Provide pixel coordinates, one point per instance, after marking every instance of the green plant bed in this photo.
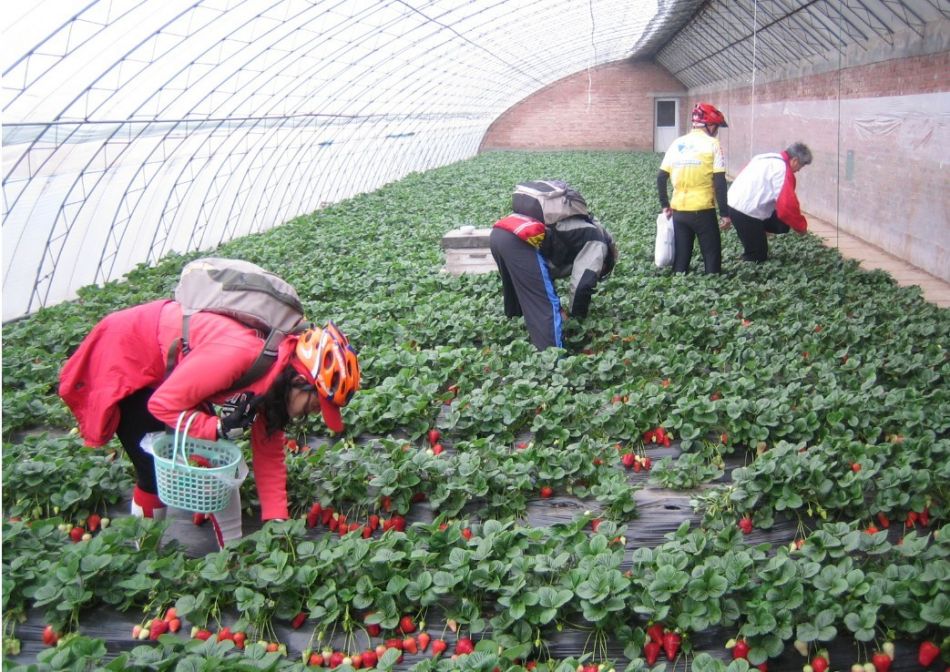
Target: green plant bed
(805, 398)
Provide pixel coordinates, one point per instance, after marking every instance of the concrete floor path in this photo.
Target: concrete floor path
(934, 289)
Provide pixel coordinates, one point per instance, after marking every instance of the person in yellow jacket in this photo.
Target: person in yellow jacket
(696, 166)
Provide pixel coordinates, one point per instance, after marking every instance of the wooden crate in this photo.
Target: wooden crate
(466, 251)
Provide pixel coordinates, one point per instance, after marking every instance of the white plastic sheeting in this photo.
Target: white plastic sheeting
(133, 129)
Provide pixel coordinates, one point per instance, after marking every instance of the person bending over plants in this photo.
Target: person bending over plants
(118, 383)
(762, 200)
(577, 246)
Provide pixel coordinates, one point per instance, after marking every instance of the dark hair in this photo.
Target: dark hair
(274, 403)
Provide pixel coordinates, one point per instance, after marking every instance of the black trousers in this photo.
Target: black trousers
(687, 227)
(751, 232)
(527, 288)
(134, 423)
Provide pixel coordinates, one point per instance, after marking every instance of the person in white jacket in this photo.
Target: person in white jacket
(762, 199)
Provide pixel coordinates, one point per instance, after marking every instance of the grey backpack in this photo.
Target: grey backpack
(244, 292)
(548, 201)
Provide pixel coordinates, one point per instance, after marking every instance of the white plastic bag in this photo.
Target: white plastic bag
(663, 250)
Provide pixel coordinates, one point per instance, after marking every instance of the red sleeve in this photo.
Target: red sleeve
(270, 470)
(786, 206)
(202, 375)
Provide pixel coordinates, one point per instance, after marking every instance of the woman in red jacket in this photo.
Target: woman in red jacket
(117, 384)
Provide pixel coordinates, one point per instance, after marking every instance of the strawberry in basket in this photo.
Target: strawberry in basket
(199, 461)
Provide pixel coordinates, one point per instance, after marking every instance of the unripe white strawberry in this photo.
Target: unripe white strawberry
(731, 644)
(801, 647)
(888, 648)
(868, 667)
(104, 523)
(857, 667)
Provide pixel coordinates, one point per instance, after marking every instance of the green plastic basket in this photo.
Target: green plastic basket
(198, 489)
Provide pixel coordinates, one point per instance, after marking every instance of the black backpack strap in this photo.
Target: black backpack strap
(264, 361)
(179, 345)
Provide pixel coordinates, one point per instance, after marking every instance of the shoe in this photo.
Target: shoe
(147, 505)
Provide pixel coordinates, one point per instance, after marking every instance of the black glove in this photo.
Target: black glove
(237, 414)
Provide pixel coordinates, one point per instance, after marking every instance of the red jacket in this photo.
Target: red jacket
(127, 352)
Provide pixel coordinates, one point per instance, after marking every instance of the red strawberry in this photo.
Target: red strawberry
(871, 529)
(855, 467)
(373, 629)
(386, 502)
(883, 520)
(911, 519)
(174, 625)
(434, 435)
(316, 660)
(370, 658)
(655, 632)
(199, 461)
(239, 638)
(92, 522)
(367, 532)
(881, 661)
(50, 636)
(409, 645)
(595, 523)
(356, 660)
(927, 653)
(628, 460)
(437, 449)
(464, 645)
(438, 647)
(399, 523)
(819, 664)
(467, 533)
(199, 518)
(671, 643)
(224, 633)
(924, 517)
(763, 667)
(394, 643)
(326, 515)
(373, 522)
(407, 625)
(271, 647)
(745, 524)
(423, 640)
(298, 620)
(157, 628)
(740, 650)
(202, 634)
(647, 463)
(76, 534)
(546, 491)
(637, 466)
(336, 659)
(651, 651)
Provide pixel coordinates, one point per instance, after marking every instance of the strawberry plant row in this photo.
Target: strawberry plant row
(826, 382)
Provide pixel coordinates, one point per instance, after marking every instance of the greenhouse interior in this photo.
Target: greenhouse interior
(277, 394)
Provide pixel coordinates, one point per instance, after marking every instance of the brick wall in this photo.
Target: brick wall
(609, 107)
(880, 134)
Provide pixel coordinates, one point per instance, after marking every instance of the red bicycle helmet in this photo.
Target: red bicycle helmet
(705, 114)
(330, 364)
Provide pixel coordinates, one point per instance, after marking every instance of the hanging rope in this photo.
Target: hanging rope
(755, 27)
(593, 56)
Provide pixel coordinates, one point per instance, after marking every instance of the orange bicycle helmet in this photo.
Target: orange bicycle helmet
(705, 114)
(332, 367)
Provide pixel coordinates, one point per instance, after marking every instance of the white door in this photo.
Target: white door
(667, 123)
